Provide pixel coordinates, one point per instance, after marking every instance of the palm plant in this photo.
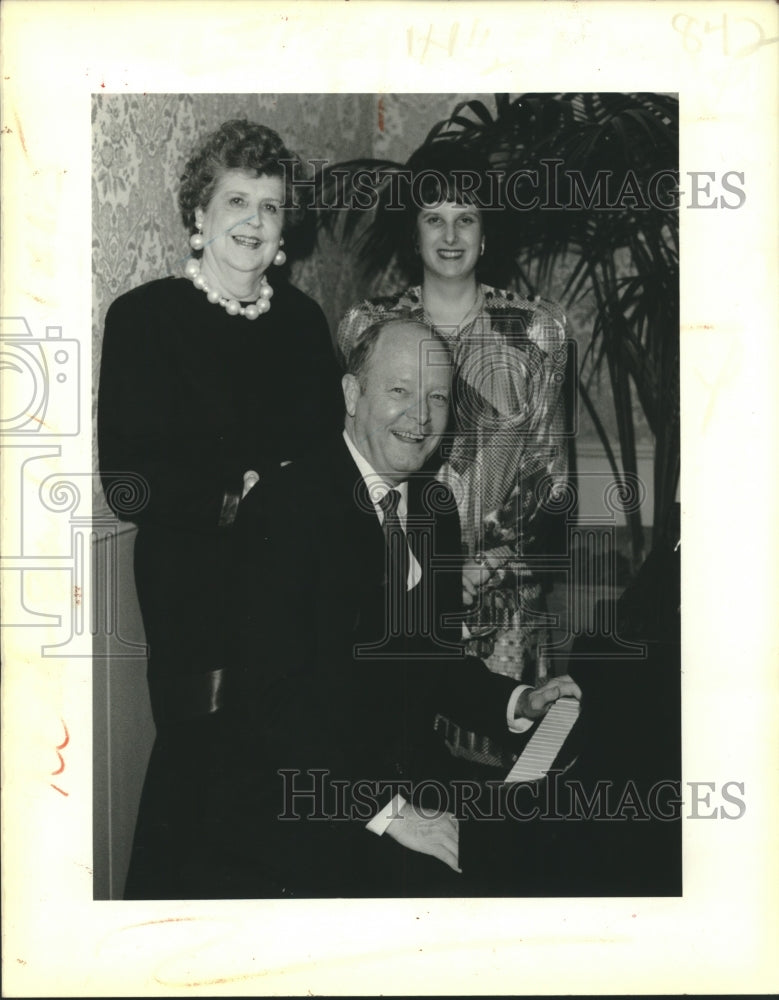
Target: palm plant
(611, 160)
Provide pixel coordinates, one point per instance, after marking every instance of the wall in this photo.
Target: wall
(123, 729)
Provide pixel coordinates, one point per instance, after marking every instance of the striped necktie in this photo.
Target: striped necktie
(397, 560)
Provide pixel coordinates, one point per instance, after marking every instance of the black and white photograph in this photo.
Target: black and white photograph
(509, 261)
(378, 381)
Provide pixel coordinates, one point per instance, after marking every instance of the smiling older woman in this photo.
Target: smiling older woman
(208, 382)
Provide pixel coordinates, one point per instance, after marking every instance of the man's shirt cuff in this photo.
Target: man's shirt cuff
(382, 819)
(517, 725)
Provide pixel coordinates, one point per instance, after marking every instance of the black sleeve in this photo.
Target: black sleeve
(281, 690)
(471, 695)
(149, 473)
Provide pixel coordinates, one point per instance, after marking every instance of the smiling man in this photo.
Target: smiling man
(352, 643)
(397, 398)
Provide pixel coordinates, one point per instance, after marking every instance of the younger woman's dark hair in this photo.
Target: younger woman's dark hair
(238, 144)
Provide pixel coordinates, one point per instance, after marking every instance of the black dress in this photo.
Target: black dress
(190, 399)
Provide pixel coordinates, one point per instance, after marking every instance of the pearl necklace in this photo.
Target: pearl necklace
(231, 306)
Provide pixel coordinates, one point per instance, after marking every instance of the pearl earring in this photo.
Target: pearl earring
(281, 257)
(196, 240)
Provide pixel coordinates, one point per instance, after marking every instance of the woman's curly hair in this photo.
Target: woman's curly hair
(238, 145)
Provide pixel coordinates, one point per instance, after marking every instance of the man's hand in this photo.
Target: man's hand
(536, 703)
(475, 575)
(428, 832)
(478, 572)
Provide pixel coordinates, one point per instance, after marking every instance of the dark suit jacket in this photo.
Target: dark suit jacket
(322, 686)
